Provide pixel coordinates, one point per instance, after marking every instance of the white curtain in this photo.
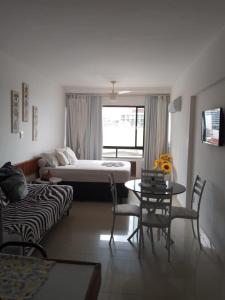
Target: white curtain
(156, 121)
(84, 125)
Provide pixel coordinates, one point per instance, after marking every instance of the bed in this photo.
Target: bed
(89, 178)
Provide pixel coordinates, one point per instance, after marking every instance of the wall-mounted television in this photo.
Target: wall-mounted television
(212, 132)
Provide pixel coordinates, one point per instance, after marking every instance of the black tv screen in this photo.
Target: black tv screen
(211, 126)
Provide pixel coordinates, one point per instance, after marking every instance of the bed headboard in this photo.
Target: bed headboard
(29, 167)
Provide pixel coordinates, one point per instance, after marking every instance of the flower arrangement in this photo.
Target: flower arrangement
(164, 163)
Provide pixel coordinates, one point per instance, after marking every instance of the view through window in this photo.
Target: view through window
(123, 131)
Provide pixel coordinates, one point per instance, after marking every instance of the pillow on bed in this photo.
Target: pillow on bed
(71, 156)
(51, 159)
(13, 182)
(63, 161)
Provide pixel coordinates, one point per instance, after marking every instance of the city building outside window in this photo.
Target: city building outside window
(123, 131)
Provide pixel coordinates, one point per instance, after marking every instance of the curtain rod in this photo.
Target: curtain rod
(108, 95)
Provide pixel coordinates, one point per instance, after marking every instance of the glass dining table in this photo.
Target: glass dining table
(135, 185)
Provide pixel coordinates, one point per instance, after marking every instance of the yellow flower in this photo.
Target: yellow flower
(166, 156)
(164, 163)
(166, 167)
(156, 164)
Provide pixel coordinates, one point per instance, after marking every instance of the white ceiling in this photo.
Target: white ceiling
(87, 43)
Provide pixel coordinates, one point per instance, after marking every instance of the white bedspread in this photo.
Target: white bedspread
(91, 171)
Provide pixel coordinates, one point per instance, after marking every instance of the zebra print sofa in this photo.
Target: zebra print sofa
(32, 217)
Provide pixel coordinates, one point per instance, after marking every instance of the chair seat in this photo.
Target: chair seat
(183, 212)
(155, 220)
(127, 209)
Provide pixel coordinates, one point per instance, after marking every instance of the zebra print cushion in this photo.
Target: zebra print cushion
(41, 209)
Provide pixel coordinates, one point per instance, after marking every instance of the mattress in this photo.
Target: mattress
(91, 171)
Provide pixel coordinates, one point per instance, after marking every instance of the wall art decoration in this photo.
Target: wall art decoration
(34, 123)
(15, 112)
(25, 102)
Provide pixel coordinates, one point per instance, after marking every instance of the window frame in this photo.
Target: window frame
(128, 147)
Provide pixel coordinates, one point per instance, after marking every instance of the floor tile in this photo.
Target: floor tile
(192, 273)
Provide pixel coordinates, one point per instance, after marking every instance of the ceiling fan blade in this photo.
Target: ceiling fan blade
(123, 92)
(114, 94)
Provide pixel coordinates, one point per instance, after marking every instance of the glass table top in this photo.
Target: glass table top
(135, 185)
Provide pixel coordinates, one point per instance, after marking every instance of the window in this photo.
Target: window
(123, 131)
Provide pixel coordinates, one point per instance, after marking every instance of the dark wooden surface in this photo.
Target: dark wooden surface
(29, 167)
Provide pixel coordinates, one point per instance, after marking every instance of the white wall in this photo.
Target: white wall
(45, 94)
(202, 86)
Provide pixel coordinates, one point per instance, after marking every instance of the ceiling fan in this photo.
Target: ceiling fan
(114, 94)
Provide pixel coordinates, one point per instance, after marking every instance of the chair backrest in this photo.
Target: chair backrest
(151, 176)
(113, 189)
(157, 198)
(197, 192)
(146, 173)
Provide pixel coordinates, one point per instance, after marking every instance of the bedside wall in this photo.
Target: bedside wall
(46, 95)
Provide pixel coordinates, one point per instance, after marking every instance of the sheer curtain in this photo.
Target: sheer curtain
(156, 120)
(84, 125)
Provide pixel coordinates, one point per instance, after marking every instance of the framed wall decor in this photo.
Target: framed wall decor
(25, 102)
(15, 112)
(34, 123)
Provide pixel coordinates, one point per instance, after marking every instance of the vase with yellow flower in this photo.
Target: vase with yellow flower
(165, 164)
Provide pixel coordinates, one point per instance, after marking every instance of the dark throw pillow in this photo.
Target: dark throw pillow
(5, 171)
(13, 182)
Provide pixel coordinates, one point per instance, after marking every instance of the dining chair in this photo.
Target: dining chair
(193, 212)
(161, 199)
(149, 176)
(120, 209)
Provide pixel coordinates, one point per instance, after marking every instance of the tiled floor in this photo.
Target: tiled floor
(192, 274)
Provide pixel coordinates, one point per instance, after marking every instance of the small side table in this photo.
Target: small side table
(51, 180)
